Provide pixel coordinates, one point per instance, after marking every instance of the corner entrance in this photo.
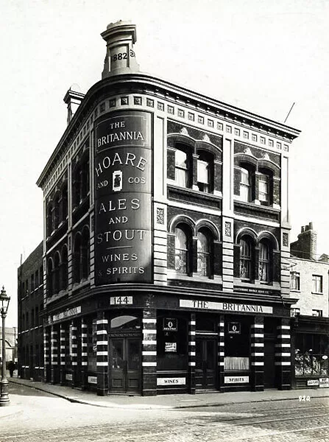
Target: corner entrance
(124, 365)
(205, 368)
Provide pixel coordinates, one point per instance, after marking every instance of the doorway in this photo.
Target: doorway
(206, 358)
(124, 365)
(269, 364)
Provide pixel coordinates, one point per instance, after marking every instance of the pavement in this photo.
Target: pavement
(173, 401)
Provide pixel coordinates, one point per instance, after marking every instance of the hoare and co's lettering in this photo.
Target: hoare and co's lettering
(120, 159)
(123, 159)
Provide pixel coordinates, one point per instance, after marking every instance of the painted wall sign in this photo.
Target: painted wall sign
(69, 377)
(171, 381)
(123, 160)
(66, 314)
(236, 379)
(254, 290)
(225, 306)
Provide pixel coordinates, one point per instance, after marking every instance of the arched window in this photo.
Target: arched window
(181, 250)
(245, 258)
(64, 269)
(205, 172)
(85, 176)
(76, 258)
(181, 168)
(76, 182)
(56, 218)
(49, 219)
(263, 188)
(50, 277)
(64, 208)
(264, 261)
(203, 251)
(57, 273)
(125, 322)
(245, 185)
(85, 254)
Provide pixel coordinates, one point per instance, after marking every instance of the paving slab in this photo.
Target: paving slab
(170, 401)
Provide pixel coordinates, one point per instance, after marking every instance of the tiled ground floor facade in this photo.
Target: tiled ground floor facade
(141, 343)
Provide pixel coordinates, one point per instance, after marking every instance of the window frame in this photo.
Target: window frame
(205, 158)
(180, 170)
(315, 285)
(207, 255)
(264, 178)
(295, 278)
(245, 185)
(264, 262)
(246, 243)
(186, 251)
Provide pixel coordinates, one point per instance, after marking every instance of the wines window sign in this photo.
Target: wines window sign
(123, 161)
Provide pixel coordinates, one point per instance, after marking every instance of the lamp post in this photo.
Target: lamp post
(4, 304)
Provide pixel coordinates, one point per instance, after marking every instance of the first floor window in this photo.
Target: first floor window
(245, 259)
(181, 250)
(264, 262)
(203, 260)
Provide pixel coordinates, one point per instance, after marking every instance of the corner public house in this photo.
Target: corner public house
(166, 233)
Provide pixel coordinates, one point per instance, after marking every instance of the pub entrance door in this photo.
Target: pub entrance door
(205, 368)
(124, 365)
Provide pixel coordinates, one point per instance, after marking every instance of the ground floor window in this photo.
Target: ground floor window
(171, 342)
(311, 355)
(237, 344)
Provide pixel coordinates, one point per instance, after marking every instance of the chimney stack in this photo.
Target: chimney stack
(120, 57)
(306, 244)
(73, 100)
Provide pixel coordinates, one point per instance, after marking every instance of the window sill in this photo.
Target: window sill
(317, 293)
(217, 279)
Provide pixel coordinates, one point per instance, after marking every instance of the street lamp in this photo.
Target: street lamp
(4, 304)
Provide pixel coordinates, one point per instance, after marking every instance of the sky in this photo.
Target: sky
(259, 55)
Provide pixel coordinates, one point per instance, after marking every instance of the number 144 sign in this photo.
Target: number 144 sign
(121, 300)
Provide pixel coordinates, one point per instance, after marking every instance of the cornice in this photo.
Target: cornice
(147, 84)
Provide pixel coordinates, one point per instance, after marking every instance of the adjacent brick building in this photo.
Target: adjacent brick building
(166, 225)
(30, 310)
(310, 312)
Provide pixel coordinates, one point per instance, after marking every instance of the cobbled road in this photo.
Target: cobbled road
(36, 416)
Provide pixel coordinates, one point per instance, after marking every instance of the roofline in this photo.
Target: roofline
(210, 105)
